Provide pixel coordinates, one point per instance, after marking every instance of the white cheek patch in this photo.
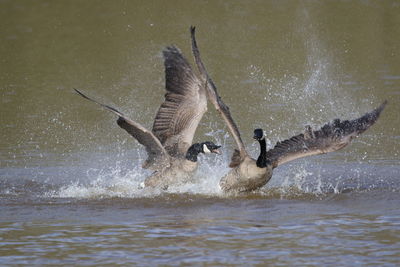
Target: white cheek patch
(263, 137)
(205, 149)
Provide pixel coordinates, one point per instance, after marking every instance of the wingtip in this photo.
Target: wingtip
(362, 123)
(383, 105)
(80, 93)
(76, 90)
(171, 51)
(193, 36)
(192, 29)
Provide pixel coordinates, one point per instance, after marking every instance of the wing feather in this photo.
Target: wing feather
(331, 137)
(220, 106)
(185, 103)
(155, 150)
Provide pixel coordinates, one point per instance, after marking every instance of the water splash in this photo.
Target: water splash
(114, 183)
(104, 184)
(102, 176)
(122, 180)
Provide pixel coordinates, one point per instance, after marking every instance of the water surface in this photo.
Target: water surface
(69, 175)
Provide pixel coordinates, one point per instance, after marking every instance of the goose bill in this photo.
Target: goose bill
(216, 150)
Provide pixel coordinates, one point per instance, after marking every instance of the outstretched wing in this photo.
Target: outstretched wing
(331, 137)
(185, 103)
(155, 150)
(219, 104)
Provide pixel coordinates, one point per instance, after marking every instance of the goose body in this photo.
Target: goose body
(246, 177)
(248, 174)
(179, 172)
(171, 154)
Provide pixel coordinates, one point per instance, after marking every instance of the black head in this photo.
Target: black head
(210, 147)
(258, 134)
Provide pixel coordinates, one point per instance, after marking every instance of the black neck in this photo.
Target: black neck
(193, 151)
(262, 158)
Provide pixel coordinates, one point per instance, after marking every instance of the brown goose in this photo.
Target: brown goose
(169, 145)
(249, 174)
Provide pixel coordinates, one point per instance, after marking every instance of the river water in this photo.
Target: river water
(69, 175)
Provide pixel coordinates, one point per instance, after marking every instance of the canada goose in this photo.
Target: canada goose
(169, 145)
(249, 174)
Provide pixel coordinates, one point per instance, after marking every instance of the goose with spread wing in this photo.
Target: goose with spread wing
(248, 174)
(171, 154)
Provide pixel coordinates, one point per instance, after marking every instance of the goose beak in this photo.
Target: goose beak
(258, 138)
(216, 151)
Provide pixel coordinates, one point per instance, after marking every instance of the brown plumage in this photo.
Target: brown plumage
(185, 103)
(169, 143)
(331, 137)
(247, 174)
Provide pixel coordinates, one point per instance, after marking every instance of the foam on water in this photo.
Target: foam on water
(112, 178)
(113, 183)
(300, 180)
